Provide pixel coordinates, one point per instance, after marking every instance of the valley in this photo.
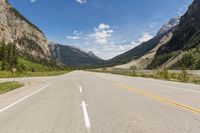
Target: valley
(99, 66)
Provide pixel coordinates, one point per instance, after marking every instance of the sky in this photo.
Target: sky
(105, 27)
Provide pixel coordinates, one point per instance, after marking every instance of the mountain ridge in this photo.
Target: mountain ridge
(144, 48)
(72, 56)
(168, 26)
(185, 41)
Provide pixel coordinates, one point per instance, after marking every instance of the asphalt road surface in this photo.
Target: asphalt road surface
(85, 102)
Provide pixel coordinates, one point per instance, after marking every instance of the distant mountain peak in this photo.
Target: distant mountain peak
(172, 23)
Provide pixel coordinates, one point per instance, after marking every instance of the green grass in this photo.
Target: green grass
(31, 66)
(45, 73)
(8, 86)
(7, 74)
(31, 69)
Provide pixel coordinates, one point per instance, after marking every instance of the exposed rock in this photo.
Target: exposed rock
(14, 28)
(172, 23)
(143, 61)
(186, 37)
(187, 34)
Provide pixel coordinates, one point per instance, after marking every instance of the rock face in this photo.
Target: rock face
(172, 23)
(188, 32)
(72, 56)
(143, 61)
(14, 28)
(181, 52)
(143, 54)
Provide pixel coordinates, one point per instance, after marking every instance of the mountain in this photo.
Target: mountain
(143, 54)
(32, 45)
(144, 60)
(136, 52)
(165, 28)
(16, 29)
(72, 56)
(183, 50)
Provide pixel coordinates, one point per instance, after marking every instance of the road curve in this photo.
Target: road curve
(86, 102)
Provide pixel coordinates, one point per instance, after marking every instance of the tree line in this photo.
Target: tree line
(8, 56)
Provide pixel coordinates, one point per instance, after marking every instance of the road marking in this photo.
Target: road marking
(86, 117)
(173, 87)
(80, 88)
(177, 88)
(24, 98)
(159, 98)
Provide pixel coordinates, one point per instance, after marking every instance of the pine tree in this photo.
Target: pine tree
(14, 56)
(3, 56)
(8, 56)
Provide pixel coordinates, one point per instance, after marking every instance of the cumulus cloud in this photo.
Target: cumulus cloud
(81, 1)
(113, 49)
(145, 37)
(101, 34)
(101, 43)
(76, 35)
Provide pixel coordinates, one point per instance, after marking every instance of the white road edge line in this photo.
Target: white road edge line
(179, 88)
(24, 98)
(86, 117)
(80, 88)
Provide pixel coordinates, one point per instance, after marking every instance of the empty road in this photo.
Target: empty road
(86, 102)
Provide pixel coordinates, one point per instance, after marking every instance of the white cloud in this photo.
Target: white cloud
(81, 1)
(109, 51)
(73, 37)
(103, 26)
(76, 35)
(112, 49)
(101, 34)
(145, 37)
(32, 1)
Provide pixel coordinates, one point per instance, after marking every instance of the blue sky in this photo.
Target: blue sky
(106, 27)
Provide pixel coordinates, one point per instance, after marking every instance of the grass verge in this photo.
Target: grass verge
(168, 75)
(7, 74)
(8, 86)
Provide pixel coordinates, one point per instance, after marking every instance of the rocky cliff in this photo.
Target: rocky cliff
(166, 27)
(187, 34)
(182, 51)
(14, 28)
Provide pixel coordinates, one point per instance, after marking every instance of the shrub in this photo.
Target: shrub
(183, 76)
(133, 70)
(165, 74)
(190, 60)
(159, 60)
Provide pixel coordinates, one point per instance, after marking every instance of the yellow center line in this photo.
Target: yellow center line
(158, 98)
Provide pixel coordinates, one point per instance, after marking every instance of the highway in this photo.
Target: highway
(87, 102)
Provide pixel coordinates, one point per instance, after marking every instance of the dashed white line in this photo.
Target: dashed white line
(24, 98)
(80, 89)
(86, 117)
